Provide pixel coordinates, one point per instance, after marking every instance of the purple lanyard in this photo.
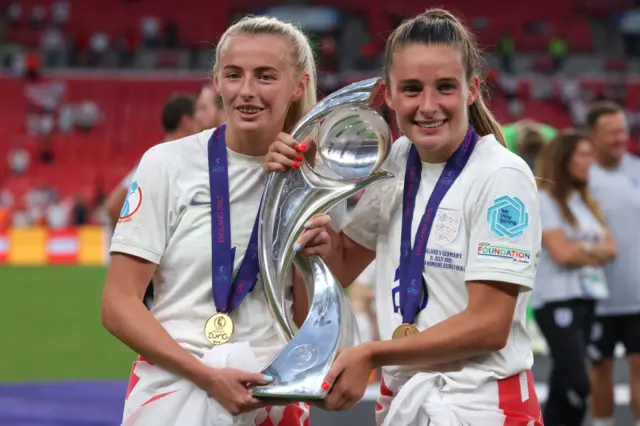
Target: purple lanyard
(412, 260)
(227, 294)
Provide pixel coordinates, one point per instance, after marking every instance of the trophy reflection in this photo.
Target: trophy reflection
(352, 141)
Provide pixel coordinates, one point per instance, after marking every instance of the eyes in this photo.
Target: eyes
(445, 88)
(263, 76)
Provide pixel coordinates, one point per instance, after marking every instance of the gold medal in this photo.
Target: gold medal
(404, 330)
(219, 328)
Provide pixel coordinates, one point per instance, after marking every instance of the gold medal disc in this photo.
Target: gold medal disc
(404, 330)
(219, 328)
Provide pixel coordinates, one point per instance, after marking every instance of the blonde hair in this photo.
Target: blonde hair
(439, 26)
(301, 52)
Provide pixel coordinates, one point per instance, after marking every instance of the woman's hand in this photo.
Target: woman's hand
(348, 378)
(230, 388)
(285, 153)
(315, 239)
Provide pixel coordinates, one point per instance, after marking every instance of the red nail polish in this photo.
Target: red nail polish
(299, 157)
(326, 385)
(301, 148)
(296, 165)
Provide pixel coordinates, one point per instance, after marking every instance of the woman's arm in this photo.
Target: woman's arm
(482, 327)
(126, 317)
(605, 251)
(565, 252)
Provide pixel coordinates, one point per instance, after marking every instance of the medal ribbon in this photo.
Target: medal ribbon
(412, 260)
(228, 291)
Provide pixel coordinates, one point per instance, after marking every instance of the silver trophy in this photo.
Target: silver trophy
(352, 141)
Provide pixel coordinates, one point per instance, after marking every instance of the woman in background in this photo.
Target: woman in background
(575, 246)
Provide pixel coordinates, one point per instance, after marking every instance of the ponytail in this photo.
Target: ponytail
(483, 120)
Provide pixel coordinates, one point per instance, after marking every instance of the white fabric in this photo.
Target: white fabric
(461, 231)
(430, 399)
(188, 404)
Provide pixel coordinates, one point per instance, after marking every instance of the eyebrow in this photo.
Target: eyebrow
(440, 80)
(259, 69)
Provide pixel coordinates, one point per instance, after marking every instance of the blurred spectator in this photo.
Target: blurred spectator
(526, 137)
(52, 45)
(558, 51)
(630, 31)
(57, 215)
(209, 108)
(80, 212)
(32, 66)
(60, 13)
(38, 13)
(87, 115)
(18, 160)
(178, 121)
(150, 30)
(14, 13)
(98, 47)
(171, 35)
(507, 50)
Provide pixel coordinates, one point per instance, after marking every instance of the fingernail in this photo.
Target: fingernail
(296, 247)
(308, 224)
(299, 157)
(268, 378)
(326, 385)
(301, 148)
(296, 165)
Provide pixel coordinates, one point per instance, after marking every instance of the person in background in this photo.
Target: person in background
(178, 121)
(209, 108)
(614, 181)
(526, 138)
(576, 244)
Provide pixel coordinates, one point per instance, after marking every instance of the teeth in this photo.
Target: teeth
(432, 124)
(249, 110)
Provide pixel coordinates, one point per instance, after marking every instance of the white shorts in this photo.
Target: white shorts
(150, 388)
(425, 399)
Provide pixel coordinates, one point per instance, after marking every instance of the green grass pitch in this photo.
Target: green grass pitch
(50, 326)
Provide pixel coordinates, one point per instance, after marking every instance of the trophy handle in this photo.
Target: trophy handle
(314, 194)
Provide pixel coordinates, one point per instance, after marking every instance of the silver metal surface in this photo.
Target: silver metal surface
(352, 141)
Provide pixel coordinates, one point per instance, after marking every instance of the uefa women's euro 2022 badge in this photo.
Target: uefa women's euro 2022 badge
(132, 203)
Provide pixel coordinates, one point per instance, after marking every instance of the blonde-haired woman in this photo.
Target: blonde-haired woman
(191, 227)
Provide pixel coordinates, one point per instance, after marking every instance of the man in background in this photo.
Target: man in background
(209, 108)
(178, 121)
(614, 182)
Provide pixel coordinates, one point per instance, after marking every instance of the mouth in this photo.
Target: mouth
(249, 111)
(430, 124)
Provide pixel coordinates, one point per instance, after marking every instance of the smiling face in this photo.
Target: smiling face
(256, 77)
(430, 93)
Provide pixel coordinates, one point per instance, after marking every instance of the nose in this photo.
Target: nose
(247, 90)
(428, 103)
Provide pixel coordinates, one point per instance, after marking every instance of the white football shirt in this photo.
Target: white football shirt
(486, 228)
(166, 220)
